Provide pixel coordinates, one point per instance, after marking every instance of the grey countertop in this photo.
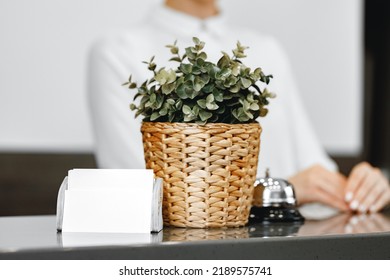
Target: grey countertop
(339, 237)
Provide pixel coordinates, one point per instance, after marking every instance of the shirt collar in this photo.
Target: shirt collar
(186, 24)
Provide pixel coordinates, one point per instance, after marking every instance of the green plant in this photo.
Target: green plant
(201, 91)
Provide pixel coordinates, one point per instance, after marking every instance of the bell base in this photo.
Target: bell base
(272, 214)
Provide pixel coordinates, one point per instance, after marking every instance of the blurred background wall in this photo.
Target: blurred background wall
(44, 122)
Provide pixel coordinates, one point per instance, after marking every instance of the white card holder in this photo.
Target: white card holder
(87, 206)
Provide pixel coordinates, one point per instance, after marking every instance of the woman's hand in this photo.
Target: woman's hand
(367, 189)
(317, 184)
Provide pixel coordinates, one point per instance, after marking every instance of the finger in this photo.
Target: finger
(373, 195)
(365, 225)
(331, 225)
(332, 183)
(359, 224)
(336, 184)
(383, 200)
(336, 224)
(332, 177)
(329, 199)
(351, 225)
(355, 178)
(369, 184)
(382, 222)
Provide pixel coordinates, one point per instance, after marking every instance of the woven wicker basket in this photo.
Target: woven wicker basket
(208, 171)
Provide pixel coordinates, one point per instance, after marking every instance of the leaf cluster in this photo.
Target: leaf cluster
(201, 91)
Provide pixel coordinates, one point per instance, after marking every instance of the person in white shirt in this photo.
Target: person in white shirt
(289, 147)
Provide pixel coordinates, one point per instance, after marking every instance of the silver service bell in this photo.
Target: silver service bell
(275, 192)
(274, 201)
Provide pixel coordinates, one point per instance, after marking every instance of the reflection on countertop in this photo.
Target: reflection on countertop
(39, 232)
(345, 223)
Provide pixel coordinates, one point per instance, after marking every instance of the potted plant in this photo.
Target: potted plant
(201, 136)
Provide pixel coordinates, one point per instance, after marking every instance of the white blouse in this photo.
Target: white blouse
(288, 142)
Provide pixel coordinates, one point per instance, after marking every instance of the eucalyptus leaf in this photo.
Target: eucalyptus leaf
(186, 68)
(245, 82)
(208, 88)
(175, 58)
(181, 91)
(205, 115)
(163, 111)
(218, 95)
(190, 54)
(196, 69)
(168, 88)
(186, 109)
(162, 76)
(152, 98)
(201, 103)
(224, 73)
(195, 110)
(202, 56)
(170, 101)
(224, 61)
(154, 116)
(212, 106)
(254, 107)
(201, 91)
(235, 88)
(199, 83)
(196, 40)
(179, 104)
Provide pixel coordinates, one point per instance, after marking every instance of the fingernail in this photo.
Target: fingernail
(362, 209)
(348, 196)
(354, 220)
(362, 217)
(354, 205)
(348, 229)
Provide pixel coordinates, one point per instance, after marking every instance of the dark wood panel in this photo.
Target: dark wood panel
(346, 163)
(377, 82)
(29, 182)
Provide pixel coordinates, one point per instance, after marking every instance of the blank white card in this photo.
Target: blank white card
(108, 200)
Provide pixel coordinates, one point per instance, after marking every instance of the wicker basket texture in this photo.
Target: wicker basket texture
(208, 171)
(196, 234)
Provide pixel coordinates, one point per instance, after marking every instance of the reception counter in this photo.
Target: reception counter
(338, 237)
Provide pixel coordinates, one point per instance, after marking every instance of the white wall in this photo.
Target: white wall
(43, 47)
